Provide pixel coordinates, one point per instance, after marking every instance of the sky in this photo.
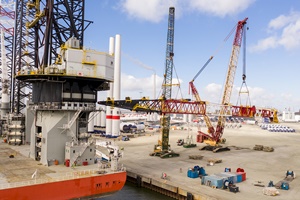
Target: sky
(272, 50)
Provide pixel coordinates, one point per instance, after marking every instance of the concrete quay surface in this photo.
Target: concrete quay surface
(260, 167)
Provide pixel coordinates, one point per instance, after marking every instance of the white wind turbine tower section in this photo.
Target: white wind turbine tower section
(115, 131)
(108, 127)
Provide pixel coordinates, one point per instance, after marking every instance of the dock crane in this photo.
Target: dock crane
(162, 149)
(164, 105)
(236, 111)
(214, 138)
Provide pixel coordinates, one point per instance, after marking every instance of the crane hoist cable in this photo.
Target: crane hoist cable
(244, 89)
(191, 85)
(215, 53)
(174, 84)
(179, 88)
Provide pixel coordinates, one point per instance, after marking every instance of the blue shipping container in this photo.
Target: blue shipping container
(213, 181)
(239, 178)
(229, 177)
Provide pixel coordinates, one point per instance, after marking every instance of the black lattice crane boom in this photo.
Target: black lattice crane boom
(167, 84)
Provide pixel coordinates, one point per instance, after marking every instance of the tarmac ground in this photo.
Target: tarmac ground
(260, 166)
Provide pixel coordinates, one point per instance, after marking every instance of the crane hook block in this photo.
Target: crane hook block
(244, 77)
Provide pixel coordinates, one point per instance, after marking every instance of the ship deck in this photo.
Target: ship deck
(17, 168)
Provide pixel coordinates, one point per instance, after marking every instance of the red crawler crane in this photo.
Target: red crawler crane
(214, 136)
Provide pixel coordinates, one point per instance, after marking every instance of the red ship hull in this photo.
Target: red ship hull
(93, 186)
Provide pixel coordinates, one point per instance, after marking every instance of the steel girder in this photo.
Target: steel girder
(170, 106)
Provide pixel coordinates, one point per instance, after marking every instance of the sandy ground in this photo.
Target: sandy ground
(259, 165)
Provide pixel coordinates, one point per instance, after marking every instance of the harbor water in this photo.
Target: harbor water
(131, 192)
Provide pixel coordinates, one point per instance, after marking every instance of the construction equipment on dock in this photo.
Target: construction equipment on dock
(284, 184)
(180, 142)
(214, 136)
(189, 142)
(164, 146)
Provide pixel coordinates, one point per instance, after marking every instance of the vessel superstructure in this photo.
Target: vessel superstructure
(63, 96)
(55, 81)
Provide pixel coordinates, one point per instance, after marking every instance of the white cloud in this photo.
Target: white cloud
(287, 100)
(153, 10)
(264, 44)
(283, 20)
(262, 98)
(213, 88)
(257, 96)
(137, 62)
(139, 87)
(136, 87)
(220, 8)
(212, 93)
(157, 10)
(284, 31)
(286, 96)
(290, 37)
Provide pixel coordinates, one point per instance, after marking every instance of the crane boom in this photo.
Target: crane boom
(167, 83)
(194, 90)
(214, 136)
(233, 61)
(207, 62)
(230, 76)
